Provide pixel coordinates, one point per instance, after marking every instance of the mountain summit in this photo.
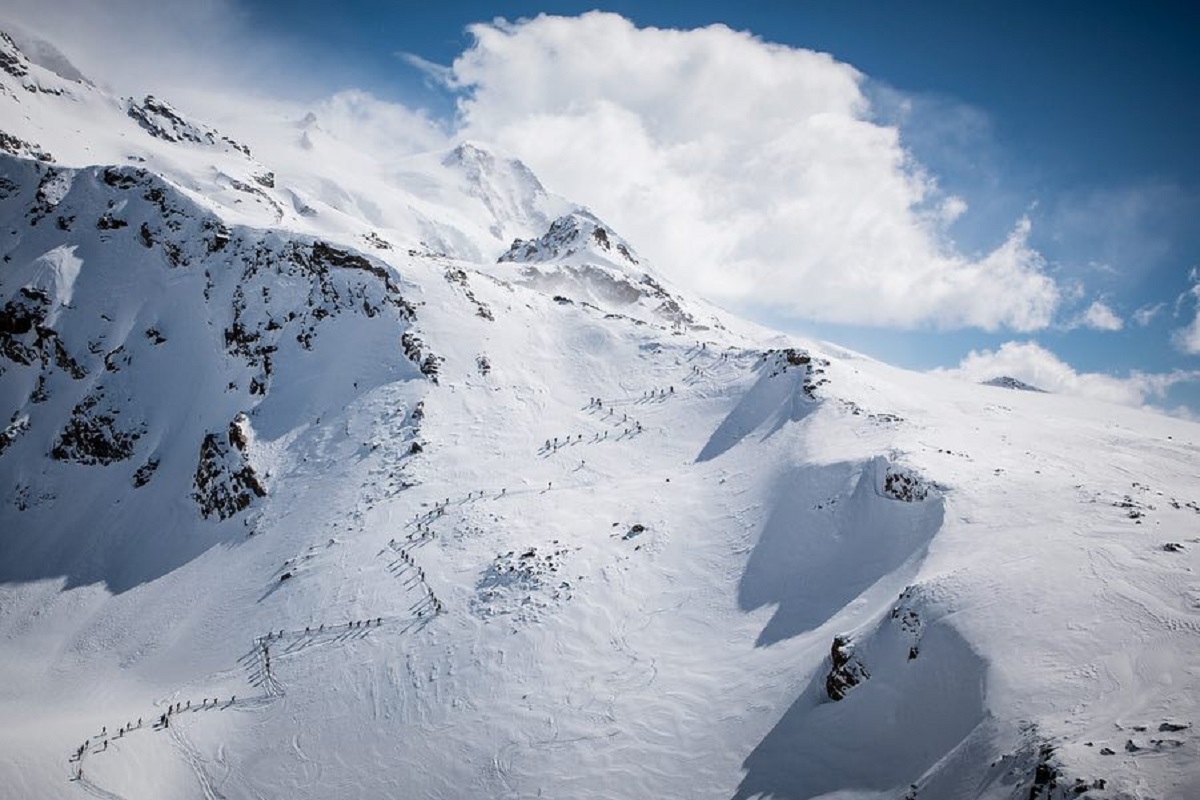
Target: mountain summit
(324, 475)
(579, 257)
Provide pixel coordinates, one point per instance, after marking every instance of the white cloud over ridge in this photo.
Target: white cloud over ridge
(1035, 365)
(753, 173)
(749, 171)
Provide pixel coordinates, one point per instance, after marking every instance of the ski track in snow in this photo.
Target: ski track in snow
(260, 674)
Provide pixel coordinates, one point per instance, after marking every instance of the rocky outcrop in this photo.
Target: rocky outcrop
(791, 358)
(13, 431)
(225, 481)
(159, 119)
(846, 671)
(94, 436)
(570, 235)
(23, 149)
(904, 485)
(12, 60)
(428, 363)
(25, 339)
(907, 617)
(145, 473)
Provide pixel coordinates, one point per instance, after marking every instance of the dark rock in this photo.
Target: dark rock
(22, 149)
(12, 432)
(904, 485)
(847, 670)
(121, 179)
(92, 436)
(225, 483)
(145, 472)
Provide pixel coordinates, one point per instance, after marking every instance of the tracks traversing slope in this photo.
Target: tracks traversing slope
(273, 646)
(260, 674)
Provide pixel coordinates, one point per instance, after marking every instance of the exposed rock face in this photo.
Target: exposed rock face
(12, 60)
(162, 121)
(904, 485)
(792, 358)
(428, 363)
(847, 670)
(568, 236)
(12, 432)
(23, 149)
(145, 473)
(581, 259)
(225, 481)
(93, 436)
(906, 615)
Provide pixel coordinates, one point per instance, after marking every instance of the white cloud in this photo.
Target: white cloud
(1146, 314)
(1187, 338)
(1034, 364)
(1099, 317)
(437, 73)
(952, 208)
(749, 171)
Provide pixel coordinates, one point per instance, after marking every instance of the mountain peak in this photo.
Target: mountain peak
(579, 235)
(1009, 382)
(483, 168)
(581, 258)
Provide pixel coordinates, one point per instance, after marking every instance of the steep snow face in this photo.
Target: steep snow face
(134, 327)
(579, 258)
(291, 509)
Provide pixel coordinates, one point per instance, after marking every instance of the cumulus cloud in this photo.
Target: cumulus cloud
(1034, 364)
(1098, 317)
(751, 172)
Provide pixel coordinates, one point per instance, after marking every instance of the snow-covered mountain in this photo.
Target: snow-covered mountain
(326, 478)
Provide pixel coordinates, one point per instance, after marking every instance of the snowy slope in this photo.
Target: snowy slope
(429, 524)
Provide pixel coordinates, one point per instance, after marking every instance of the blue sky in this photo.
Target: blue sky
(1081, 116)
